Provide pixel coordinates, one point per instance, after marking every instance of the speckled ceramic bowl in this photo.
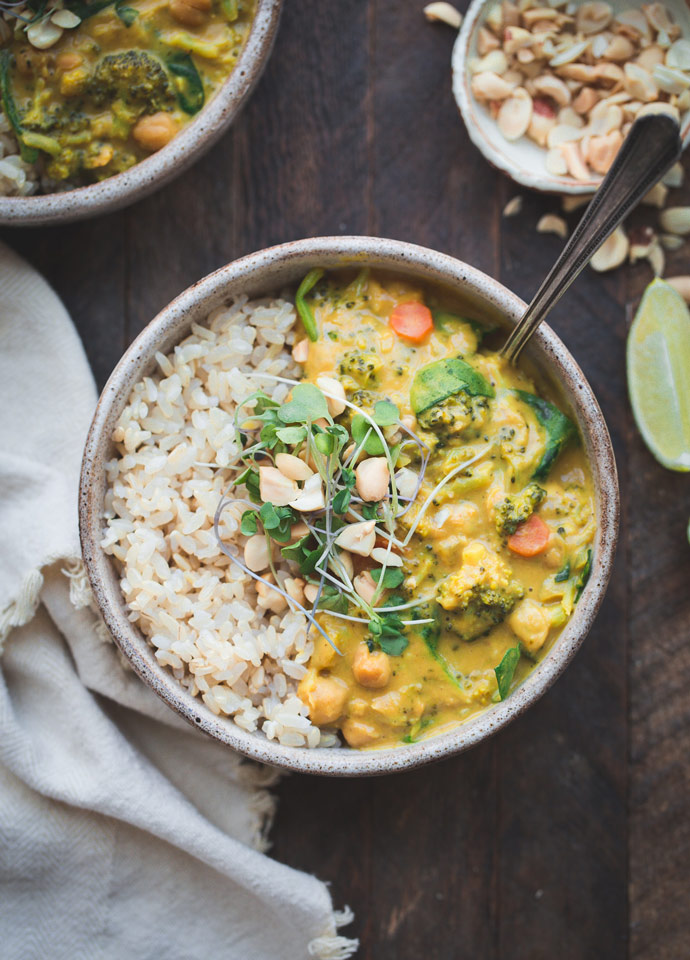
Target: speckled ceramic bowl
(164, 165)
(267, 272)
(522, 159)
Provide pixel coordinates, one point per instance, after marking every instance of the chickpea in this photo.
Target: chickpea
(325, 697)
(531, 623)
(154, 131)
(371, 669)
(359, 734)
(192, 13)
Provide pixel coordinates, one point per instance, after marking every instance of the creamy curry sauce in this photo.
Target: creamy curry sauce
(447, 675)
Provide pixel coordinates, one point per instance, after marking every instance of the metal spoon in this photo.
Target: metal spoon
(650, 148)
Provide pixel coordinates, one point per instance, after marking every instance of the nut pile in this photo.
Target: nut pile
(574, 77)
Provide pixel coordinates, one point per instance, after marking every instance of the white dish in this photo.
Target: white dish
(523, 160)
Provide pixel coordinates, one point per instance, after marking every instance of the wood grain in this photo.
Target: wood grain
(567, 835)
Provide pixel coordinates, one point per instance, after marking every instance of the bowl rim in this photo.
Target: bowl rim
(161, 167)
(502, 159)
(263, 268)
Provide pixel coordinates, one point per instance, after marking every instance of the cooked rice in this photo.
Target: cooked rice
(197, 608)
(17, 178)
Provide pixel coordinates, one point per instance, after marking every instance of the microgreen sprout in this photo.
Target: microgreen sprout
(303, 427)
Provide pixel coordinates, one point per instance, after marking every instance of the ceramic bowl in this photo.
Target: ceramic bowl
(164, 165)
(265, 273)
(523, 160)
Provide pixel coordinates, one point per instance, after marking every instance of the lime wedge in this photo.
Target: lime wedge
(658, 360)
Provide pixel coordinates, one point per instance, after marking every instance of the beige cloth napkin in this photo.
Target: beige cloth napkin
(124, 833)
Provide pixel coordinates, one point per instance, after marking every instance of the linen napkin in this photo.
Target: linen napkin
(124, 833)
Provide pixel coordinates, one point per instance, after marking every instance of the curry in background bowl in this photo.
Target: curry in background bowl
(91, 88)
(102, 100)
(337, 517)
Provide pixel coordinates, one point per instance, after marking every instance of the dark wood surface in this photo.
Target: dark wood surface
(568, 835)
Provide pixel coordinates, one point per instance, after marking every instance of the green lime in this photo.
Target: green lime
(658, 359)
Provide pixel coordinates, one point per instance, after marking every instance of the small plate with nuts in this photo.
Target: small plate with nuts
(548, 89)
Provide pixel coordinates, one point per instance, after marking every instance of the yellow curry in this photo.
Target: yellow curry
(419, 500)
(497, 558)
(91, 87)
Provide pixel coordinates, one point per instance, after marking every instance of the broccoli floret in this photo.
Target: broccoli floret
(452, 416)
(363, 367)
(518, 507)
(133, 76)
(480, 595)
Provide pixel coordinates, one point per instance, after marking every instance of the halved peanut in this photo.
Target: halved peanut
(601, 151)
(300, 351)
(443, 13)
(551, 86)
(292, 467)
(257, 553)
(372, 479)
(365, 586)
(515, 114)
(489, 86)
(550, 223)
(276, 488)
(486, 42)
(585, 100)
(593, 17)
(334, 392)
(676, 220)
(612, 252)
(577, 168)
(639, 83)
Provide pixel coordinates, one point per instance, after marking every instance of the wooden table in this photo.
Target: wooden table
(568, 835)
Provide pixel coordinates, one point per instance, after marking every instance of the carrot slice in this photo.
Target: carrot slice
(530, 538)
(412, 320)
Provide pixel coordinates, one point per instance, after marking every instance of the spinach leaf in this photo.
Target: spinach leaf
(307, 404)
(431, 634)
(563, 574)
(505, 671)
(444, 378)
(559, 430)
(584, 576)
(127, 14)
(186, 82)
(83, 9)
(370, 511)
(303, 309)
(28, 154)
(392, 577)
(248, 523)
(231, 9)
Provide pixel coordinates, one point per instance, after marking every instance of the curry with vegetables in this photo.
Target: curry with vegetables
(91, 87)
(436, 510)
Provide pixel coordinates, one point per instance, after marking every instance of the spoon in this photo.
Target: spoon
(650, 148)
